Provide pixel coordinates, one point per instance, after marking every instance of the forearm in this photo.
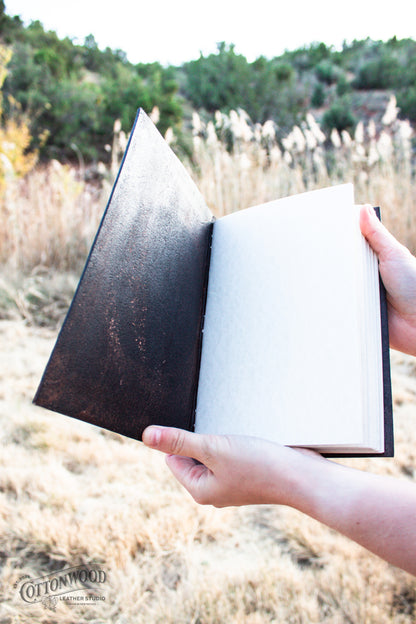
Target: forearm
(377, 512)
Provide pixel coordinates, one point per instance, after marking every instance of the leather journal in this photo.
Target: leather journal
(266, 322)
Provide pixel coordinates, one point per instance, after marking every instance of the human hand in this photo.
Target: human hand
(377, 512)
(234, 470)
(398, 272)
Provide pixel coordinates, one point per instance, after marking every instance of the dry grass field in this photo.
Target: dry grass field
(74, 495)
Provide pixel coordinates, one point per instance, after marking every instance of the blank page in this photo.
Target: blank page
(281, 353)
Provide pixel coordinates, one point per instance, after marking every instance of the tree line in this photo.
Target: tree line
(71, 94)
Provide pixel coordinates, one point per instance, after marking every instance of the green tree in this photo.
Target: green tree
(74, 93)
(265, 89)
(218, 81)
(74, 119)
(91, 53)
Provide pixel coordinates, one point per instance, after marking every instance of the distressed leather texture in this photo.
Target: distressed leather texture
(128, 352)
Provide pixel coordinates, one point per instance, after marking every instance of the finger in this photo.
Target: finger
(174, 441)
(186, 470)
(379, 238)
(196, 478)
(308, 452)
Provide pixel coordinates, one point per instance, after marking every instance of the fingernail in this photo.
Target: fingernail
(153, 435)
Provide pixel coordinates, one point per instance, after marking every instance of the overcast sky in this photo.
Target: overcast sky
(174, 31)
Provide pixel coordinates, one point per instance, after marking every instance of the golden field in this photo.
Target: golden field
(72, 494)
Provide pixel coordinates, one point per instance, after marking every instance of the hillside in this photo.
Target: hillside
(72, 94)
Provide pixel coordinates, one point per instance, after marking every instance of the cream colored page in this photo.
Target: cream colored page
(372, 356)
(281, 348)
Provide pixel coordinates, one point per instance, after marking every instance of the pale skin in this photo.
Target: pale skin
(375, 511)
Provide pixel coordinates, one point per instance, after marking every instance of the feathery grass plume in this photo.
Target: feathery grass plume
(311, 141)
(359, 133)
(239, 125)
(371, 129)
(155, 115)
(218, 117)
(404, 133)
(373, 153)
(170, 136)
(268, 131)
(346, 138)
(117, 149)
(275, 155)
(295, 141)
(391, 112)
(315, 129)
(359, 155)
(287, 157)
(197, 125)
(385, 146)
(212, 139)
(303, 160)
(335, 138)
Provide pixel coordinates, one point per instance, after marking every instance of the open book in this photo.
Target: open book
(268, 322)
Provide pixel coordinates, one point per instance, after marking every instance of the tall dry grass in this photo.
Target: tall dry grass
(48, 218)
(262, 166)
(47, 223)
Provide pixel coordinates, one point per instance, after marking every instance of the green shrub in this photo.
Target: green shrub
(382, 73)
(406, 101)
(327, 72)
(318, 96)
(339, 116)
(343, 85)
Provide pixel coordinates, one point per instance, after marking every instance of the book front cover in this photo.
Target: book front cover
(128, 352)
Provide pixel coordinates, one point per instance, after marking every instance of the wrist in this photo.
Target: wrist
(299, 482)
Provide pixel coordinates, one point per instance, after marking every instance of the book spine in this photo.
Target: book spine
(387, 394)
(191, 425)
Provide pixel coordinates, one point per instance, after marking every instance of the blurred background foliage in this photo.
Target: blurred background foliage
(69, 95)
(248, 132)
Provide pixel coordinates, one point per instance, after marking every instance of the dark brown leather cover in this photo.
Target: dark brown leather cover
(128, 352)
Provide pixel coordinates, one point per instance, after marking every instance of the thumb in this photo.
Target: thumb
(377, 235)
(177, 442)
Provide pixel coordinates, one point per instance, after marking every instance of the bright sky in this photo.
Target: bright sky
(174, 31)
